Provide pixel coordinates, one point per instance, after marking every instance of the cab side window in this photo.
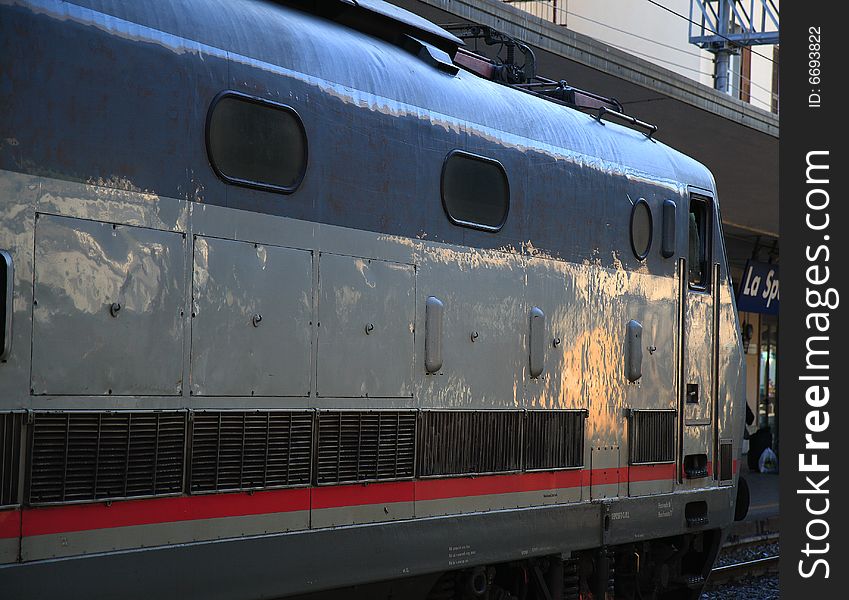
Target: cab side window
(256, 143)
(475, 191)
(698, 258)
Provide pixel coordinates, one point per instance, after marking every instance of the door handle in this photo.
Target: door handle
(7, 282)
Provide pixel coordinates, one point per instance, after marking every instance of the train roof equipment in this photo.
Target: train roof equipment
(504, 68)
(445, 48)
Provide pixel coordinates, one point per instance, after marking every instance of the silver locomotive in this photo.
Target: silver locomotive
(294, 299)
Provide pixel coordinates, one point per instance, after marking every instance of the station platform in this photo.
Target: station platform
(763, 513)
(763, 490)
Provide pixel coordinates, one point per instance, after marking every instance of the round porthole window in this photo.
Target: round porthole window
(641, 228)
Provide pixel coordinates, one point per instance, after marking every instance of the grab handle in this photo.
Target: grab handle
(7, 281)
(603, 112)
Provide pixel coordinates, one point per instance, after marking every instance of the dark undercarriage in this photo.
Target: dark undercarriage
(663, 569)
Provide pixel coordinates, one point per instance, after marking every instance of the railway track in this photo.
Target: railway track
(745, 557)
(746, 568)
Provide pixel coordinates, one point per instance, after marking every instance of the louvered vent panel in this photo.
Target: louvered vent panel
(83, 456)
(554, 439)
(250, 450)
(726, 460)
(652, 436)
(470, 442)
(356, 446)
(10, 457)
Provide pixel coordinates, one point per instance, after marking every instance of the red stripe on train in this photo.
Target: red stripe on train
(443, 489)
(362, 494)
(10, 523)
(651, 472)
(81, 517)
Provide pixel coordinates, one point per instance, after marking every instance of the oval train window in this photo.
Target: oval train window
(641, 228)
(475, 191)
(256, 143)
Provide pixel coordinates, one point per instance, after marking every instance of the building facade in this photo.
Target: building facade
(659, 32)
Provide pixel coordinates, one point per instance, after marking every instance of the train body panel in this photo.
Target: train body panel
(269, 343)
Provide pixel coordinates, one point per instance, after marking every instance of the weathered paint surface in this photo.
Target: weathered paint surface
(251, 319)
(487, 291)
(107, 311)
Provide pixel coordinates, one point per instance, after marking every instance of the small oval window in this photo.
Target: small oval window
(256, 143)
(475, 191)
(641, 228)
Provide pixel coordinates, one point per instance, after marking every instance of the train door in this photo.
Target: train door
(697, 319)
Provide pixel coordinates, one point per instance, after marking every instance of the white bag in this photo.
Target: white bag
(768, 462)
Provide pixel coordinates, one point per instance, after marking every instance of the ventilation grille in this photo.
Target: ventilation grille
(358, 446)
(80, 456)
(250, 450)
(10, 457)
(652, 436)
(726, 460)
(470, 442)
(554, 440)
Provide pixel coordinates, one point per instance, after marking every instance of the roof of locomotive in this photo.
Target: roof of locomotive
(365, 70)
